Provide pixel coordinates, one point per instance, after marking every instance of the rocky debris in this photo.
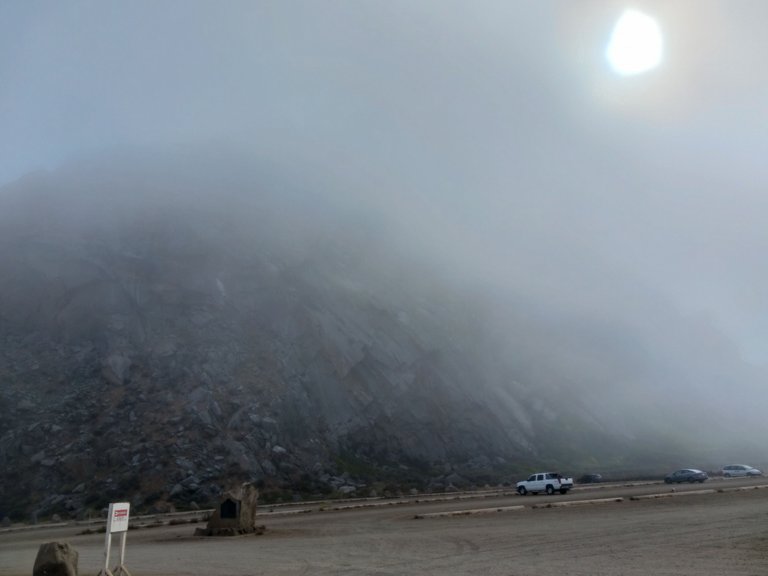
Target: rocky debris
(56, 559)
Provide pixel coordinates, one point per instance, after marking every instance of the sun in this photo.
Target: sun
(636, 44)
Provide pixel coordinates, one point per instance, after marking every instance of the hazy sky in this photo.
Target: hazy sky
(494, 129)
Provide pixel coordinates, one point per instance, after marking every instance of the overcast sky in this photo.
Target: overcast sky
(495, 129)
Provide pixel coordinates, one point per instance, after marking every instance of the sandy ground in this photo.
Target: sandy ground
(721, 532)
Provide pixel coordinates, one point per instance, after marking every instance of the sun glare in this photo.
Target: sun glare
(636, 44)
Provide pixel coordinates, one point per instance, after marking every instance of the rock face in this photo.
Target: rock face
(159, 342)
(56, 559)
(235, 514)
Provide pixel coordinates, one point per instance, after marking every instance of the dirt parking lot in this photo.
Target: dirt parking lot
(720, 532)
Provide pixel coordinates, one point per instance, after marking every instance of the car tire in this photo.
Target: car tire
(726, 475)
(563, 490)
(522, 491)
(550, 490)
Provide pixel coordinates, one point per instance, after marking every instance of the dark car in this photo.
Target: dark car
(590, 479)
(686, 475)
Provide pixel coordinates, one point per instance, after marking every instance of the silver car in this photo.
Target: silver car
(734, 470)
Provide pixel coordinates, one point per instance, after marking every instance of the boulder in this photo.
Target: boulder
(55, 559)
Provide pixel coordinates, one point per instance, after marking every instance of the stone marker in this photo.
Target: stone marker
(235, 514)
(55, 559)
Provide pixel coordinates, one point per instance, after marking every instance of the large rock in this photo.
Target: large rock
(55, 559)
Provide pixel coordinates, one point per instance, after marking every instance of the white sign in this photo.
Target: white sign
(118, 517)
(117, 521)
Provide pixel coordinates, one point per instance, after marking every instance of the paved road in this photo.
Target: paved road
(717, 533)
(463, 501)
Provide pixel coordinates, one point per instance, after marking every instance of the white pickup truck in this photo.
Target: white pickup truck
(549, 482)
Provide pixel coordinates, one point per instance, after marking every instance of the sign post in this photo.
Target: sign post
(117, 522)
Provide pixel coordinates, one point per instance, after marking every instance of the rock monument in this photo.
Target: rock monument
(235, 514)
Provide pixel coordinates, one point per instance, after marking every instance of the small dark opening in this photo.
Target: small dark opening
(228, 509)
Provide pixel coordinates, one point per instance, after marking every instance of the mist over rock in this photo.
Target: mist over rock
(168, 330)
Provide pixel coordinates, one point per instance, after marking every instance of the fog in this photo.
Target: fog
(624, 216)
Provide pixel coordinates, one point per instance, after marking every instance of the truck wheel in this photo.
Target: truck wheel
(550, 490)
(522, 491)
(563, 490)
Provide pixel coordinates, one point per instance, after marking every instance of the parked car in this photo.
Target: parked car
(740, 470)
(590, 478)
(686, 475)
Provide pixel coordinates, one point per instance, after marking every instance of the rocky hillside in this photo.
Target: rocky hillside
(165, 336)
